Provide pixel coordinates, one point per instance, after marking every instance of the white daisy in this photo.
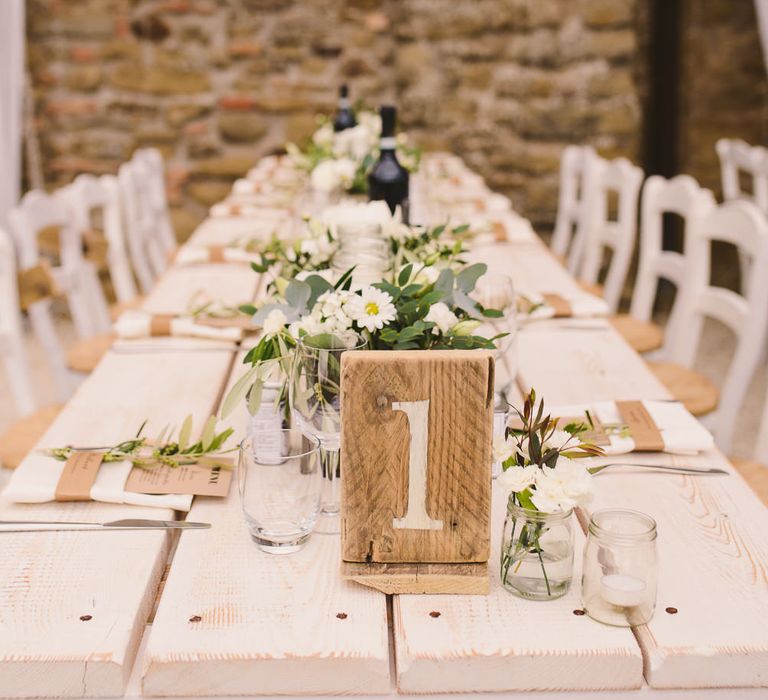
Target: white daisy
(372, 309)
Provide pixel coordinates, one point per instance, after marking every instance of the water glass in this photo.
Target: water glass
(280, 483)
(315, 398)
(618, 585)
(495, 290)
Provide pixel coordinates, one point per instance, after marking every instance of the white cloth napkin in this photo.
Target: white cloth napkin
(680, 431)
(137, 324)
(36, 478)
(518, 229)
(235, 209)
(583, 305)
(190, 255)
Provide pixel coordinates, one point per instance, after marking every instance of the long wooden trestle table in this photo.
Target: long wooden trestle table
(231, 620)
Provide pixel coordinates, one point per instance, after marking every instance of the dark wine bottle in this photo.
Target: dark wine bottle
(345, 118)
(388, 180)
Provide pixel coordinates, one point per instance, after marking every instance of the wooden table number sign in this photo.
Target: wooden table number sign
(416, 452)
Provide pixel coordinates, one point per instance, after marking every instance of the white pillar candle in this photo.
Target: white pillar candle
(622, 590)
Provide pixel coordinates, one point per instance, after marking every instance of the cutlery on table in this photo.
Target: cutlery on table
(126, 524)
(701, 471)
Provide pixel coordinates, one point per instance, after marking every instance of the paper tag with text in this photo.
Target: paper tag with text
(206, 478)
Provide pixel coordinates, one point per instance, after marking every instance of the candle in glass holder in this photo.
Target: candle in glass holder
(622, 590)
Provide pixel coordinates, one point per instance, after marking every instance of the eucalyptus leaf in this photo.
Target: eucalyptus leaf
(237, 393)
(298, 294)
(467, 278)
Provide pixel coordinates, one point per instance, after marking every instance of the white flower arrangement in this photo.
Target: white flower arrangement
(340, 161)
(540, 461)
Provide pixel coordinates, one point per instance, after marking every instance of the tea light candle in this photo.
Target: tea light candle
(624, 591)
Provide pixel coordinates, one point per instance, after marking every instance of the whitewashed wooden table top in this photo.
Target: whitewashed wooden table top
(234, 621)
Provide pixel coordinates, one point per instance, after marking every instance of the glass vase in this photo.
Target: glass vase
(537, 553)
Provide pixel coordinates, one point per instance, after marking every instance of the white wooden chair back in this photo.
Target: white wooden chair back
(134, 221)
(736, 157)
(89, 193)
(11, 331)
(151, 226)
(568, 235)
(601, 178)
(82, 197)
(683, 196)
(746, 315)
(38, 211)
(35, 212)
(157, 197)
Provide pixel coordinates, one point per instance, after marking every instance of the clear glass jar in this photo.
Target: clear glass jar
(362, 246)
(537, 553)
(618, 585)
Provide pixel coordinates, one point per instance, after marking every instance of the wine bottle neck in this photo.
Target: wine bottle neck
(387, 143)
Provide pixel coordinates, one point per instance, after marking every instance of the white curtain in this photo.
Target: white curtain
(11, 100)
(761, 7)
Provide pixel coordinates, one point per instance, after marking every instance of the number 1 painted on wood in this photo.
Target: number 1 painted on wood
(416, 517)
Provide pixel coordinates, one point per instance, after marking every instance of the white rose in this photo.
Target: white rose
(274, 322)
(309, 246)
(443, 318)
(562, 487)
(517, 478)
(325, 177)
(323, 136)
(427, 275)
(346, 170)
(559, 439)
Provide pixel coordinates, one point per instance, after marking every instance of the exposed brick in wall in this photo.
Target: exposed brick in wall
(217, 83)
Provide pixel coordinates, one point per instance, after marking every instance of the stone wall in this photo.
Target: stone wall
(217, 83)
(725, 90)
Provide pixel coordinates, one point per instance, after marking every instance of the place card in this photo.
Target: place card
(207, 477)
(559, 304)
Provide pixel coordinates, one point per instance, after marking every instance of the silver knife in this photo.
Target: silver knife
(126, 524)
(701, 471)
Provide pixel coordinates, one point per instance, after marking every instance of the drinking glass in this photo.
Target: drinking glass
(279, 479)
(618, 584)
(495, 290)
(315, 399)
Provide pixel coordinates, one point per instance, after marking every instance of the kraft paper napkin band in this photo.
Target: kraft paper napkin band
(36, 284)
(499, 232)
(216, 254)
(642, 428)
(560, 305)
(242, 322)
(480, 204)
(160, 324)
(79, 475)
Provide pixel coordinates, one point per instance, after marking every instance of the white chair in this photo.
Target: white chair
(152, 159)
(82, 197)
(746, 315)
(11, 331)
(568, 235)
(88, 193)
(736, 158)
(601, 178)
(19, 438)
(137, 227)
(37, 212)
(682, 196)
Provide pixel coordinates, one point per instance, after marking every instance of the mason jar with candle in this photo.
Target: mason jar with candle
(619, 575)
